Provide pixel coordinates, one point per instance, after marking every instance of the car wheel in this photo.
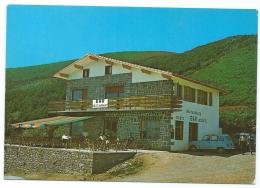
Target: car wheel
(193, 148)
(221, 150)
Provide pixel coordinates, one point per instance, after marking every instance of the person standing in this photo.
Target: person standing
(250, 143)
(242, 144)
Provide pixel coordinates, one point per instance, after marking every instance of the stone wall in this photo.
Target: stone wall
(129, 123)
(57, 160)
(162, 87)
(51, 160)
(96, 85)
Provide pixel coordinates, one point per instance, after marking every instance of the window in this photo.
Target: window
(210, 99)
(85, 73)
(214, 138)
(79, 94)
(189, 94)
(202, 97)
(150, 129)
(114, 91)
(108, 70)
(179, 91)
(178, 130)
(206, 138)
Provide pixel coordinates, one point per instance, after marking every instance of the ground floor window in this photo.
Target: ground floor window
(178, 130)
(150, 129)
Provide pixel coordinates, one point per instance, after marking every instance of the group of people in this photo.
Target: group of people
(246, 143)
(105, 141)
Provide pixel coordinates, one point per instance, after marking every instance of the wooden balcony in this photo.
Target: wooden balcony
(164, 102)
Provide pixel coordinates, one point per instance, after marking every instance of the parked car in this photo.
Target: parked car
(221, 143)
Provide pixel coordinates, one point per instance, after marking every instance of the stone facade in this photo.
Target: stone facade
(64, 161)
(96, 86)
(128, 123)
(162, 87)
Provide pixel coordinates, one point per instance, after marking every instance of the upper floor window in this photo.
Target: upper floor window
(108, 70)
(85, 73)
(179, 91)
(79, 94)
(202, 97)
(189, 94)
(114, 91)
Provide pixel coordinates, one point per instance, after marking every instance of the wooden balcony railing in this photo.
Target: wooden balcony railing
(121, 103)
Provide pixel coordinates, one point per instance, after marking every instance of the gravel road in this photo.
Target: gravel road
(194, 168)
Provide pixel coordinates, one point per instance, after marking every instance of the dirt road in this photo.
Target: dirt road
(194, 167)
(162, 166)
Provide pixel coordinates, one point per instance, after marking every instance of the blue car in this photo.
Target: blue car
(221, 143)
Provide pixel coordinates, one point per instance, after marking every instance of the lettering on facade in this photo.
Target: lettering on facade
(193, 112)
(180, 118)
(194, 117)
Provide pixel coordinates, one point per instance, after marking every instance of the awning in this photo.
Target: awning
(53, 121)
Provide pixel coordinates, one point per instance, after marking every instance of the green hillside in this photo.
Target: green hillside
(228, 63)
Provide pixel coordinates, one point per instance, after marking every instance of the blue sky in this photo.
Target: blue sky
(46, 34)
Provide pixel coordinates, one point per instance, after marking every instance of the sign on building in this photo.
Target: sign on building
(100, 103)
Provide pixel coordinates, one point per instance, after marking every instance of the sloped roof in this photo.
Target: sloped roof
(93, 57)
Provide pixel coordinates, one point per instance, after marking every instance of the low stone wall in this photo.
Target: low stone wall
(58, 160)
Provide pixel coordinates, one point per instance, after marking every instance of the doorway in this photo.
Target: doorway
(193, 131)
(110, 127)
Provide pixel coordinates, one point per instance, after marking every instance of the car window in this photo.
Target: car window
(221, 138)
(206, 138)
(214, 138)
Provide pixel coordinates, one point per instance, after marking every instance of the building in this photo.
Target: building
(160, 109)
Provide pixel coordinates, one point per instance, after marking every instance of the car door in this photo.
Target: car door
(205, 142)
(213, 142)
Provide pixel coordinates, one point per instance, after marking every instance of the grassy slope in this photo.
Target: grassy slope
(236, 72)
(229, 63)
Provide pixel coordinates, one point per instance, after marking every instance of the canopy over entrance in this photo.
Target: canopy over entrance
(53, 121)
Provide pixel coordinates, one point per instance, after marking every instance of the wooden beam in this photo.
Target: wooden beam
(64, 75)
(109, 62)
(166, 76)
(126, 66)
(93, 58)
(78, 66)
(146, 71)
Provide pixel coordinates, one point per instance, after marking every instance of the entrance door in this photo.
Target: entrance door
(193, 131)
(110, 127)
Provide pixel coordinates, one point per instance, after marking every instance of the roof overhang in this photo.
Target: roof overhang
(82, 62)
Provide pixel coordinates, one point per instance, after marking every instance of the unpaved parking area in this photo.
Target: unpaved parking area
(194, 167)
(163, 166)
